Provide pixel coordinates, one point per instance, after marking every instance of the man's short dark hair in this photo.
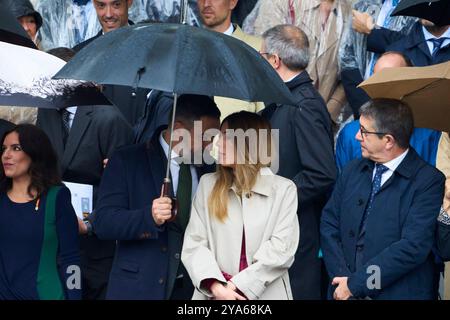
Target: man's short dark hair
(392, 117)
(63, 53)
(192, 107)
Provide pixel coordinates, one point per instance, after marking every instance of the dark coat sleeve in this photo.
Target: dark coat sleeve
(417, 238)
(318, 169)
(330, 237)
(113, 219)
(356, 97)
(379, 39)
(68, 244)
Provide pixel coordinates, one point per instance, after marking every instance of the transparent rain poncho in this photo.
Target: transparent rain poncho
(353, 52)
(69, 22)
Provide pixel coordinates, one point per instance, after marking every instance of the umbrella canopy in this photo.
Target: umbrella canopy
(424, 89)
(180, 59)
(436, 11)
(10, 29)
(25, 80)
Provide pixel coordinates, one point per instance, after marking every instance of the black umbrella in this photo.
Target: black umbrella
(180, 59)
(11, 31)
(436, 11)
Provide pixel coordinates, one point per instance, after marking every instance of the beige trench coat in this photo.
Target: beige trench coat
(324, 43)
(272, 233)
(228, 105)
(443, 164)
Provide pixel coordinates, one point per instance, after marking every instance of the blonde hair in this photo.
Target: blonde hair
(242, 175)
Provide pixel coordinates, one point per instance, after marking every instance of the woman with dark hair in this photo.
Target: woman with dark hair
(39, 251)
(243, 230)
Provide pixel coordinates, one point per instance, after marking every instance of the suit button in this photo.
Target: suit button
(351, 234)
(164, 249)
(161, 280)
(177, 256)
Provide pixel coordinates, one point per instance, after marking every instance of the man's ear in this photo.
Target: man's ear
(129, 3)
(276, 61)
(233, 4)
(390, 141)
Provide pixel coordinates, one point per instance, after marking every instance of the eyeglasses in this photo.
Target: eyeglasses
(365, 132)
(269, 54)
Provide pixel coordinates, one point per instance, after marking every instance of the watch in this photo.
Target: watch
(88, 225)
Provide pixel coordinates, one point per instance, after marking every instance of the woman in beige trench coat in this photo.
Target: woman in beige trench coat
(243, 230)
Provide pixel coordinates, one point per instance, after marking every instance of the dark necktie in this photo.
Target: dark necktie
(437, 44)
(376, 186)
(65, 115)
(184, 193)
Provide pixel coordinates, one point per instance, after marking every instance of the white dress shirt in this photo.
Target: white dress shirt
(230, 30)
(175, 167)
(392, 166)
(72, 111)
(429, 36)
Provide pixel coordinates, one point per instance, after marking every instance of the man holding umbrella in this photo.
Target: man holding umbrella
(132, 211)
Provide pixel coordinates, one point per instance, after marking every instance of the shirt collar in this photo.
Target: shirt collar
(165, 147)
(230, 30)
(289, 80)
(72, 110)
(429, 36)
(394, 163)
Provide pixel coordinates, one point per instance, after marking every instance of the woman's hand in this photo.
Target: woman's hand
(225, 292)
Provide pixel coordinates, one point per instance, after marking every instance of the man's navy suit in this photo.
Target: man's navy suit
(399, 231)
(414, 46)
(147, 256)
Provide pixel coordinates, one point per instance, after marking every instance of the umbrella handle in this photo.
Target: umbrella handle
(166, 193)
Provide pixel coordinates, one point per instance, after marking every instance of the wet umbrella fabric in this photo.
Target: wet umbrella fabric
(436, 11)
(179, 59)
(25, 80)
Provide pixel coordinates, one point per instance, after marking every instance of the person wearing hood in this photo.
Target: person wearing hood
(30, 19)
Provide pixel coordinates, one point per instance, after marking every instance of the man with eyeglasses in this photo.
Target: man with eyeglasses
(378, 228)
(306, 154)
(424, 141)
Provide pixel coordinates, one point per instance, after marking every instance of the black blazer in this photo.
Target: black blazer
(96, 132)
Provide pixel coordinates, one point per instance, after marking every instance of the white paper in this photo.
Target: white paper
(82, 197)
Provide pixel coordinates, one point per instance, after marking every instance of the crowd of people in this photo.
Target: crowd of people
(357, 208)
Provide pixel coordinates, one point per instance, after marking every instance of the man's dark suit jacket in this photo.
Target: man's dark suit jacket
(147, 256)
(95, 133)
(307, 158)
(5, 126)
(130, 101)
(413, 45)
(400, 229)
